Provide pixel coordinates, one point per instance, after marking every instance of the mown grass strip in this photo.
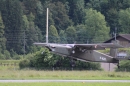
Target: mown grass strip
(65, 84)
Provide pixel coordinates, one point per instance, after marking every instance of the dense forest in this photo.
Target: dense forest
(23, 22)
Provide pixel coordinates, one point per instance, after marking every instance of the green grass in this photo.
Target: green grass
(13, 72)
(65, 84)
(80, 75)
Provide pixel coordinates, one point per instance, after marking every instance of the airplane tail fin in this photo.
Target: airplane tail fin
(113, 51)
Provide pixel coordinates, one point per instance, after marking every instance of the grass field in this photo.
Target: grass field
(33, 74)
(10, 70)
(65, 84)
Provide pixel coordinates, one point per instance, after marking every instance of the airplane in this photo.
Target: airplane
(84, 52)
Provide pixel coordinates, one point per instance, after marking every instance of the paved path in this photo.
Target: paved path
(25, 81)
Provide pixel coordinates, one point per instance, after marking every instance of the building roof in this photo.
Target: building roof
(125, 36)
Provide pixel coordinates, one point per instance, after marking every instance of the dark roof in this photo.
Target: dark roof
(125, 36)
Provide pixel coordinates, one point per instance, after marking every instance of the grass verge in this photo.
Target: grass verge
(65, 84)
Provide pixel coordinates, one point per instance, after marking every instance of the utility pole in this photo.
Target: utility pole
(47, 27)
(115, 32)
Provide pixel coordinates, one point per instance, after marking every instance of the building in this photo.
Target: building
(124, 40)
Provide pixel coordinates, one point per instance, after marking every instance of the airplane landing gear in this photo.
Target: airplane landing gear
(118, 64)
(72, 63)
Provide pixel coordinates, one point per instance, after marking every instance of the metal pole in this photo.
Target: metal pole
(109, 67)
(115, 33)
(47, 27)
(24, 43)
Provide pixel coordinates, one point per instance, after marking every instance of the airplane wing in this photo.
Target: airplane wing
(100, 46)
(41, 44)
(97, 46)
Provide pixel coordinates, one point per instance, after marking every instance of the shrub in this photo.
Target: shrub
(24, 63)
(124, 66)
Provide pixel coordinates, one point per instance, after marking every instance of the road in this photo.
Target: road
(29, 81)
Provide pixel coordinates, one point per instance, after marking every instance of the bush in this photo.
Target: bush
(24, 63)
(124, 66)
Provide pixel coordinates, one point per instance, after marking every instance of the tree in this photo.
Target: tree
(112, 19)
(125, 4)
(3, 52)
(32, 32)
(96, 26)
(62, 36)
(2, 38)
(59, 15)
(110, 8)
(82, 34)
(95, 4)
(41, 60)
(40, 19)
(76, 11)
(53, 34)
(71, 34)
(2, 3)
(12, 18)
(124, 21)
(30, 6)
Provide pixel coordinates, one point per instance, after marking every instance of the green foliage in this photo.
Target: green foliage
(125, 4)
(71, 34)
(24, 64)
(23, 22)
(82, 34)
(29, 6)
(62, 36)
(2, 56)
(77, 11)
(2, 37)
(41, 59)
(95, 4)
(59, 15)
(124, 66)
(96, 26)
(7, 55)
(88, 65)
(12, 17)
(53, 34)
(124, 21)
(32, 33)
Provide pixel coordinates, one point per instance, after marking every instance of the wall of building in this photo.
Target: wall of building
(123, 42)
(108, 66)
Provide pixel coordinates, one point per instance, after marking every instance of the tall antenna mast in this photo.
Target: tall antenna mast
(47, 27)
(115, 32)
